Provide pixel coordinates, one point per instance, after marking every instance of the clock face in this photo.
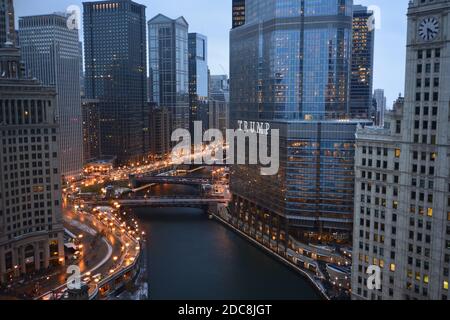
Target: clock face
(429, 29)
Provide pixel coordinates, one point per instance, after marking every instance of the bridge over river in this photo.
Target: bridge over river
(167, 202)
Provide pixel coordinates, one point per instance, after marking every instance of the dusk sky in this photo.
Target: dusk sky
(213, 19)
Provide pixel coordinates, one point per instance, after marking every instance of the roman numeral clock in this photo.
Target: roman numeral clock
(429, 29)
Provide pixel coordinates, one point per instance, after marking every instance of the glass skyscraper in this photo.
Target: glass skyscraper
(169, 67)
(290, 67)
(198, 79)
(51, 54)
(116, 75)
(363, 50)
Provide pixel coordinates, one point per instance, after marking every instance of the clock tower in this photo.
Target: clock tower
(425, 150)
(404, 224)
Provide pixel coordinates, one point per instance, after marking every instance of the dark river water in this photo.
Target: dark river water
(193, 258)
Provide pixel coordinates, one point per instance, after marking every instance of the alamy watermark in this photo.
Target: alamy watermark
(374, 279)
(374, 22)
(74, 279)
(209, 146)
(73, 17)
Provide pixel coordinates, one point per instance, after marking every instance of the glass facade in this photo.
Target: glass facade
(169, 67)
(290, 67)
(198, 80)
(116, 75)
(361, 84)
(296, 66)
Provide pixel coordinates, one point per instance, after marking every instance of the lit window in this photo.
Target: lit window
(430, 212)
(426, 279)
(446, 285)
(392, 267)
(397, 153)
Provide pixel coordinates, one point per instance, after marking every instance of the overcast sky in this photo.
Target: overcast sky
(213, 19)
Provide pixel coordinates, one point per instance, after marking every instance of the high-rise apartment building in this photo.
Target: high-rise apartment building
(290, 68)
(169, 67)
(363, 49)
(116, 75)
(198, 80)
(402, 207)
(238, 13)
(31, 230)
(51, 54)
(381, 105)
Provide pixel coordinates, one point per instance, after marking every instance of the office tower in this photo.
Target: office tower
(280, 75)
(198, 80)
(160, 123)
(51, 54)
(169, 67)
(402, 207)
(90, 110)
(238, 13)
(31, 230)
(116, 75)
(361, 84)
(7, 25)
(381, 104)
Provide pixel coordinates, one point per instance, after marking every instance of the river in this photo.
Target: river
(191, 257)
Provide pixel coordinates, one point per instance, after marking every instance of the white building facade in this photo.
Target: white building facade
(402, 200)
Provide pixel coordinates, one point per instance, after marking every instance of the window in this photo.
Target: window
(419, 83)
(437, 67)
(392, 268)
(419, 54)
(436, 82)
(397, 153)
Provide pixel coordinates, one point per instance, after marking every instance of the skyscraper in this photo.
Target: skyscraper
(402, 207)
(169, 67)
(31, 230)
(290, 68)
(7, 24)
(51, 54)
(219, 103)
(381, 104)
(238, 13)
(116, 75)
(361, 84)
(91, 129)
(198, 80)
